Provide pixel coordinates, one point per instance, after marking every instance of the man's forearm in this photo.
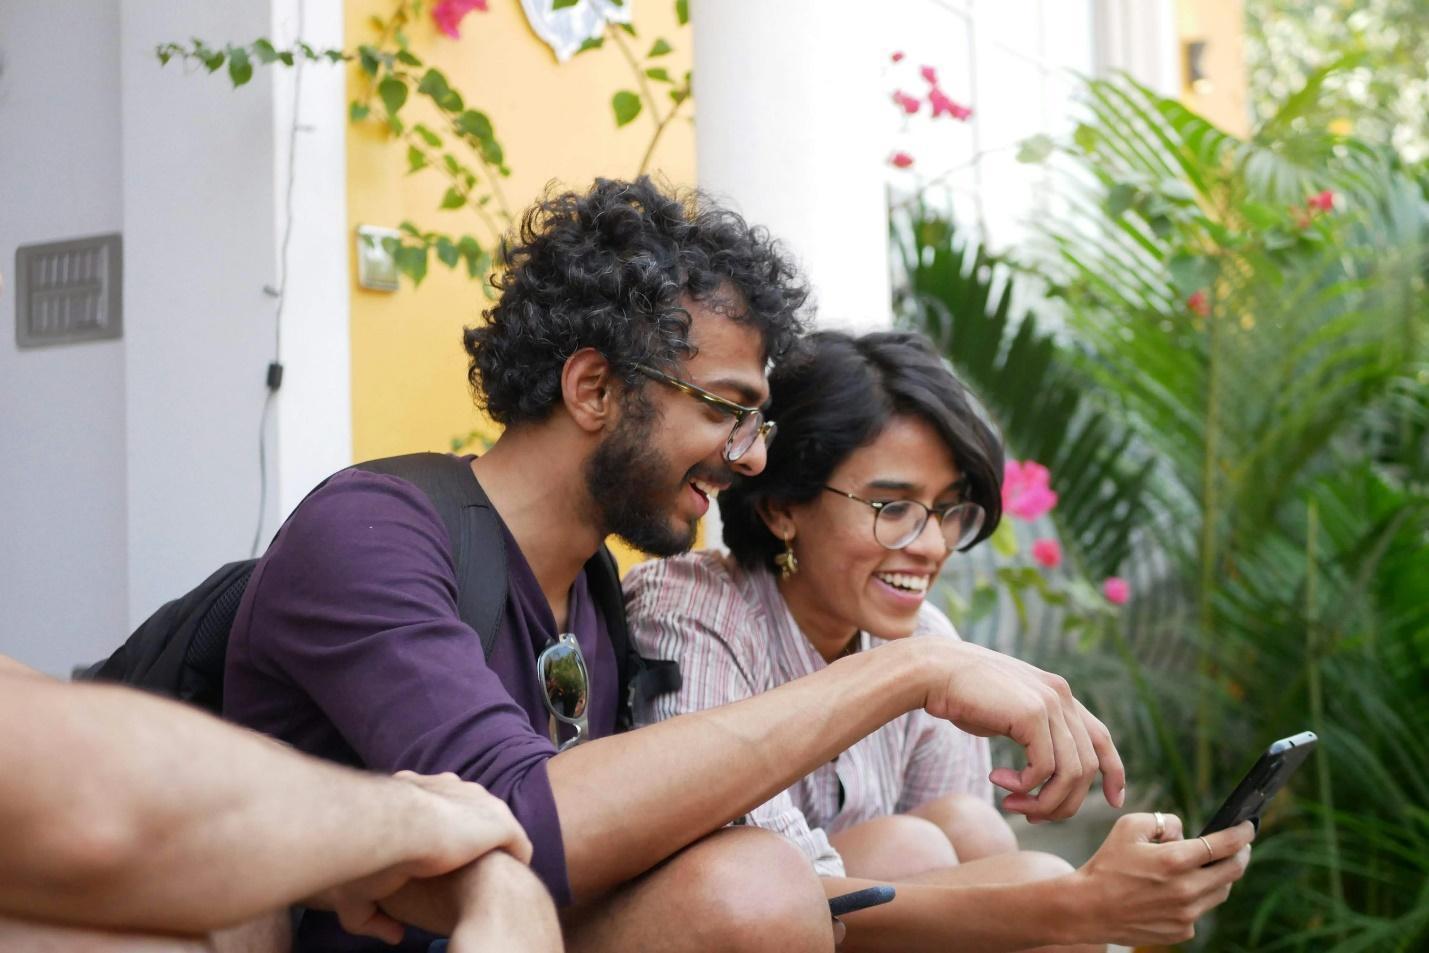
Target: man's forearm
(680, 779)
(124, 810)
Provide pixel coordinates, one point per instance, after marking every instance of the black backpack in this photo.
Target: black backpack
(179, 650)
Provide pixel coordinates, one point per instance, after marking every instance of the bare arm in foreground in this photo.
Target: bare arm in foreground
(125, 811)
(702, 770)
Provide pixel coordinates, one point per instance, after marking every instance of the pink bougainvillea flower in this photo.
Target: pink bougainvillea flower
(1117, 590)
(1048, 552)
(930, 74)
(900, 160)
(909, 104)
(943, 106)
(1199, 304)
(1321, 201)
(448, 14)
(1026, 490)
(897, 56)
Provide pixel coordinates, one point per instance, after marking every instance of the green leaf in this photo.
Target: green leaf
(433, 84)
(626, 105)
(984, 602)
(212, 59)
(416, 159)
(407, 59)
(661, 48)
(1004, 539)
(1191, 273)
(164, 55)
(658, 74)
(1119, 198)
(451, 102)
(427, 136)
(285, 57)
(474, 123)
(1261, 215)
(336, 56)
(453, 166)
(412, 262)
(366, 57)
(357, 111)
(627, 27)
(1085, 137)
(682, 11)
(491, 151)
(447, 252)
(564, 4)
(264, 51)
(453, 199)
(679, 95)
(1036, 149)
(240, 70)
(393, 92)
(592, 43)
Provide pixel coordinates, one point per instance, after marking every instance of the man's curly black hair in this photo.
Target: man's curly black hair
(608, 270)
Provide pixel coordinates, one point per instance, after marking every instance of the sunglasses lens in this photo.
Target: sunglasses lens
(564, 677)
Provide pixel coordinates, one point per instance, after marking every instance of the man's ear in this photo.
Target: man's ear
(590, 390)
(777, 516)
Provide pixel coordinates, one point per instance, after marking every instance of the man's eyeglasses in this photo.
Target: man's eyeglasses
(749, 422)
(896, 523)
(565, 687)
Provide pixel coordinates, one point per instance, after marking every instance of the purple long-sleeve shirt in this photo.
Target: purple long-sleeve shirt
(348, 646)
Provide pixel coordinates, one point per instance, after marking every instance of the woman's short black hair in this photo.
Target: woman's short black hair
(608, 269)
(836, 396)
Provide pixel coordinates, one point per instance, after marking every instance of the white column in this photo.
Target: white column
(314, 407)
(791, 114)
(204, 199)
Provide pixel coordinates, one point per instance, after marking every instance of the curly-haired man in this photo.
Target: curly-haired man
(626, 357)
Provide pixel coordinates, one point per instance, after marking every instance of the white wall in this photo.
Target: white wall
(140, 474)
(62, 438)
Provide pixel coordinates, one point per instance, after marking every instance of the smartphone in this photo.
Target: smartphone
(1262, 782)
(860, 899)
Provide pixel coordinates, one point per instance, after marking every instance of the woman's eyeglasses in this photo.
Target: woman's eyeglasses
(565, 687)
(896, 523)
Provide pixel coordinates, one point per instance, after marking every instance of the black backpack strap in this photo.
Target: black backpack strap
(639, 678)
(478, 544)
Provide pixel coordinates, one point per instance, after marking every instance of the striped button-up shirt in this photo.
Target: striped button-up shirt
(733, 637)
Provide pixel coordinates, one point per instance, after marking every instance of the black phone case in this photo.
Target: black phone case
(1264, 780)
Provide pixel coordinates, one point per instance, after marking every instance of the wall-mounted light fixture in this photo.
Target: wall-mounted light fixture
(1193, 52)
(376, 268)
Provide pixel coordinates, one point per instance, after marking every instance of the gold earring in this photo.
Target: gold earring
(787, 562)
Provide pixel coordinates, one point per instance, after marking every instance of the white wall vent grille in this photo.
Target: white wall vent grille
(68, 291)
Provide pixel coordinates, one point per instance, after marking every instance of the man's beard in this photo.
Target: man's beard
(628, 483)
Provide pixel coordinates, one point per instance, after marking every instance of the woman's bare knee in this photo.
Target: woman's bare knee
(973, 825)
(894, 848)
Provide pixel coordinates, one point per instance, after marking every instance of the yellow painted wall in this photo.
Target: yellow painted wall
(409, 389)
(1221, 24)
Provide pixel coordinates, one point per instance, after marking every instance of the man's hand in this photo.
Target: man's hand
(987, 693)
(454, 823)
(1138, 892)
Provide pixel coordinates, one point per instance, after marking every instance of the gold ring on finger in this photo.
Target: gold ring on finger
(1210, 854)
(1160, 831)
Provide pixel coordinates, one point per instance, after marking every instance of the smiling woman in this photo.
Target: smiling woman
(882, 471)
